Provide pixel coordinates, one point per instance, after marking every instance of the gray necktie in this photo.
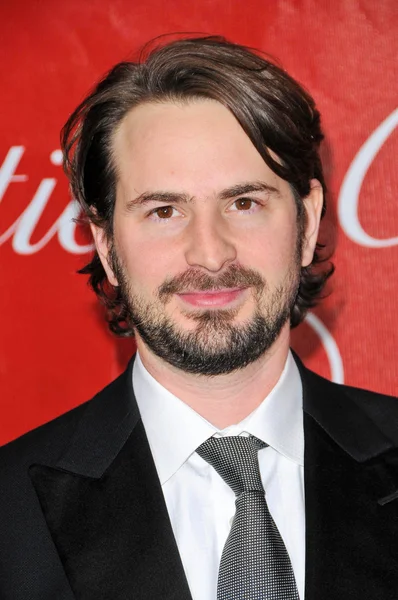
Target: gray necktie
(254, 564)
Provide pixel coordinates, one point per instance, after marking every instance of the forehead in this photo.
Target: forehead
(183, 145)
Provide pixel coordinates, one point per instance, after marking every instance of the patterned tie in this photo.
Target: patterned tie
(254, 564)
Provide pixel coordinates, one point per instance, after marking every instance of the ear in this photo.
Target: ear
(313, 207)
(102, 247)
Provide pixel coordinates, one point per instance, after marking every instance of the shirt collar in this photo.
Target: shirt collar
(175, 430)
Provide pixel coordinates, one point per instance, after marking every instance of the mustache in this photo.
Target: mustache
(191, 280)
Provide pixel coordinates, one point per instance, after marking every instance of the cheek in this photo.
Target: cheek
(270, 251)
(148, 262)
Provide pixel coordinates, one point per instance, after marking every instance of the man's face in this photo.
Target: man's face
(206, 246)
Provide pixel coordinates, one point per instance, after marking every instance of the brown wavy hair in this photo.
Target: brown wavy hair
(275, 111)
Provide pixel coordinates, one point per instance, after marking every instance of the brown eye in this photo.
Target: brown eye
(244, 204)
(164, 212)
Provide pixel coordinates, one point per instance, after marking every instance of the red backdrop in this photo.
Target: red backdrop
(55, 349)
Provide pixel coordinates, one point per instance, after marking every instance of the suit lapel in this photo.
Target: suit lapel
(104, 506)
(105, 509)
(351, 479)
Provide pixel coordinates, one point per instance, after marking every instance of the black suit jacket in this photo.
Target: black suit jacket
(82, 514)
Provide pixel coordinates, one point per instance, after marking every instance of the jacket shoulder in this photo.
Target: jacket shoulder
(382, 409)
(48, 441)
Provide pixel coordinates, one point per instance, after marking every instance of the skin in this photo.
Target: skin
(198, 150)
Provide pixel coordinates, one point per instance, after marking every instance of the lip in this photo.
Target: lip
(209, 298)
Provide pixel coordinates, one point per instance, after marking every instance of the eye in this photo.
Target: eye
(244, 205)
(163, 213)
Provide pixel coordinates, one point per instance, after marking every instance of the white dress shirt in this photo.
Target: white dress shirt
(200, 504)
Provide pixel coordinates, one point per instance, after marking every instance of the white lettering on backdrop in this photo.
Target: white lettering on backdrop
(330, 346)
(351, 187)
(23, 227)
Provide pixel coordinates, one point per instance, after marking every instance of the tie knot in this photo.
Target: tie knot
(235, 459)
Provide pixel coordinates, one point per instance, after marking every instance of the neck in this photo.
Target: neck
(225, 399)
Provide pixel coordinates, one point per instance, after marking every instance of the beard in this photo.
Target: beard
(217, 345)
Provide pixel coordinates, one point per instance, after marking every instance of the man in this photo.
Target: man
(216, 466)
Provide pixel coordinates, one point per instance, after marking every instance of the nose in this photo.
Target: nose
(209, 245)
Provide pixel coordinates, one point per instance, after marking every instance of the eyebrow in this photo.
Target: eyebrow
(248, 188)
(180, 198)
